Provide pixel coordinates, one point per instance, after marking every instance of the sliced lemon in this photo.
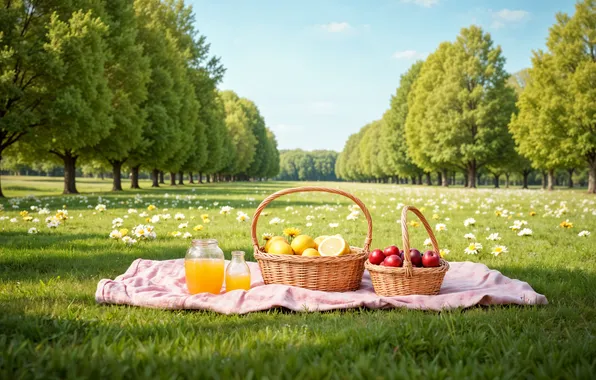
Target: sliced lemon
(333, 246)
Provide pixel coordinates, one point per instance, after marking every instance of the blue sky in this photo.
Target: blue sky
(320, 70)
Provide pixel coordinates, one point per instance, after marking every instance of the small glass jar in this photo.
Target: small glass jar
(237, 273)
(204, 266)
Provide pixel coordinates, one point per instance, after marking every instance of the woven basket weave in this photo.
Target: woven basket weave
(407, 280)
(332, 274)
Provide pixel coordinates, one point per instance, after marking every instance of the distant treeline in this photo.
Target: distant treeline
(300, 165)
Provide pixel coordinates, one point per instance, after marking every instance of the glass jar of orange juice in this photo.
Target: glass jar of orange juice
(237, 273)
(204, 265)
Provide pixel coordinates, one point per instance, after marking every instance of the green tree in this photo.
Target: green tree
(273, 164)
(240, 134)
(555, 126)
(460, 105)
(397, 161)
(127, 71)
(77, 117)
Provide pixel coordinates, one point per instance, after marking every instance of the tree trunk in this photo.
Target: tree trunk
(208, 178)
(497, 176)
(190, 178)
(172, 179)
(161, 178)
(429, 181)
(592, 172)
(117, 175)
(134, 177)
(70, 161)
(155, 178)
(570, 171)
(420, 179)
(413, 180)
(1, 193)
(471, 183)
(180, 178)
(439, 178)
(507, 180)
(544, 179)
(101, 175)
(551, 179)
(525, 173)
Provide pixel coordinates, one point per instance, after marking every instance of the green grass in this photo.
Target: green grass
(51, 327)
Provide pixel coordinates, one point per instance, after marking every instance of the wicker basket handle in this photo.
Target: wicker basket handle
(269, 199)
(405, 236)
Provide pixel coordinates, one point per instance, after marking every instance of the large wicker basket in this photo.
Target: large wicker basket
(332, 274)
(407, 280)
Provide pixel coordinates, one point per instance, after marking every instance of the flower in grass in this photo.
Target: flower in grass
(333, 225)
(27, 218)
(440, 227)
(117, 222)
(24, 213)
(498, 249)
(61, 215)
(517, 225)
(291, 232)
(123, 231)
(525, 232)
(14, 220)
(100, 208)
(413, 223)
(176, 233)
(267, 236)
(470, 236)
(44, 211)
(115, 234)
(183, 225)
(242, 217)
(532, 213)
(144, 232)
(473, 248)
(469, 222)
(494, 237)
(53, 224)
(225, 210)
(154, 219)
(309, 224)
(498, 212)
(205, 218)
(584, 233)
(187, 235)
(179, 216)
(443, 252)
(151, 207)
(128, 240)
(198, 227)
(435, 217)
(143, 214)
(132, 211)
(32, 230)
(276, 220)
(566, 224)
(428, 242)
(35, 220)
(309, 217)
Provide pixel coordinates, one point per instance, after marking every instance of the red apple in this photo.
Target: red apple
(393, 261)
(376, 257)
(430, 259)
(391, 250)
(401, 254)
(415, 257)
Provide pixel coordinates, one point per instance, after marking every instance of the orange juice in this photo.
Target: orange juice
(237, 281)
(204, 275)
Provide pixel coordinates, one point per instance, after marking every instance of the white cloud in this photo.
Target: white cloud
(408, 55)
(423, 3)
(507, 16)
(336, 27)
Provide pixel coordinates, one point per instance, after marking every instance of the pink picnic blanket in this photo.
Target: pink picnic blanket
(161, 284)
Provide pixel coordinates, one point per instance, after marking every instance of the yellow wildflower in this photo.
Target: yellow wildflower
(414, 223)
(566, 224)
(267, 236)
(24, 213)
(198, 227)
(123, 232)
(532, 213)
(151, 207)
(291, 232)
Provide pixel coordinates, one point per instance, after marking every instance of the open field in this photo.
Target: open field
(51, 327)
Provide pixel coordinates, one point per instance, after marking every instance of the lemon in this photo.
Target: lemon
(280, 247)
(319, 239)
(333, 246)
(348, 249)
(268, 244)
(311, 252)
(301, 243)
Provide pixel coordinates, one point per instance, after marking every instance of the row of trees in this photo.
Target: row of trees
(459, 110)
(124, 83)
(300, 165)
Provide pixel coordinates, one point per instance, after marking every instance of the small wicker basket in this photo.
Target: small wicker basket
(332, 274)
(407, 280)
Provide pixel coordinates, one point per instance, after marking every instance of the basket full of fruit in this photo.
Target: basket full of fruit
(326, 263)
(400, 273)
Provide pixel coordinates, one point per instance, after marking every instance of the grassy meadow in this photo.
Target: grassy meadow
(51, 327)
